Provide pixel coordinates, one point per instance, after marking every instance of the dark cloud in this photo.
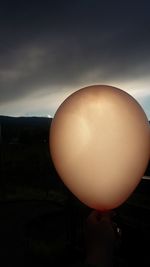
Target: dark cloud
(53, 44)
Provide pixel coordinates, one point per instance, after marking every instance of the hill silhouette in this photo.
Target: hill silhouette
(25, 156)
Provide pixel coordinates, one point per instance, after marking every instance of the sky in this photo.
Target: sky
(49, 49)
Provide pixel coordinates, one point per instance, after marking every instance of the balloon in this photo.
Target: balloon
(100, 145)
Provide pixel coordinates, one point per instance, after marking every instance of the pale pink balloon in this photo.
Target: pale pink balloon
(100, 145)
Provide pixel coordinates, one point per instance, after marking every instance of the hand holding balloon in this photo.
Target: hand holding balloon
(100, 145)
(101, 239)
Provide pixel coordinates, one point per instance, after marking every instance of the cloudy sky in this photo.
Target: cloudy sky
(49, 49)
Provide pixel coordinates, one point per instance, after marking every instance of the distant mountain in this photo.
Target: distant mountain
(24, 129)
(25, 155)
(25, 120)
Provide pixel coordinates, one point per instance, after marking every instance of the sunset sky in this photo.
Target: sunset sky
(49, 49)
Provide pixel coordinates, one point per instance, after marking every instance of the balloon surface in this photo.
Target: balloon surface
(100, 145)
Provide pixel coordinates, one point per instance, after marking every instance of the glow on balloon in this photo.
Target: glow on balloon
(100, 145)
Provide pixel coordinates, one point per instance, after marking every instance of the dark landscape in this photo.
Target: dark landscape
(42, 223)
